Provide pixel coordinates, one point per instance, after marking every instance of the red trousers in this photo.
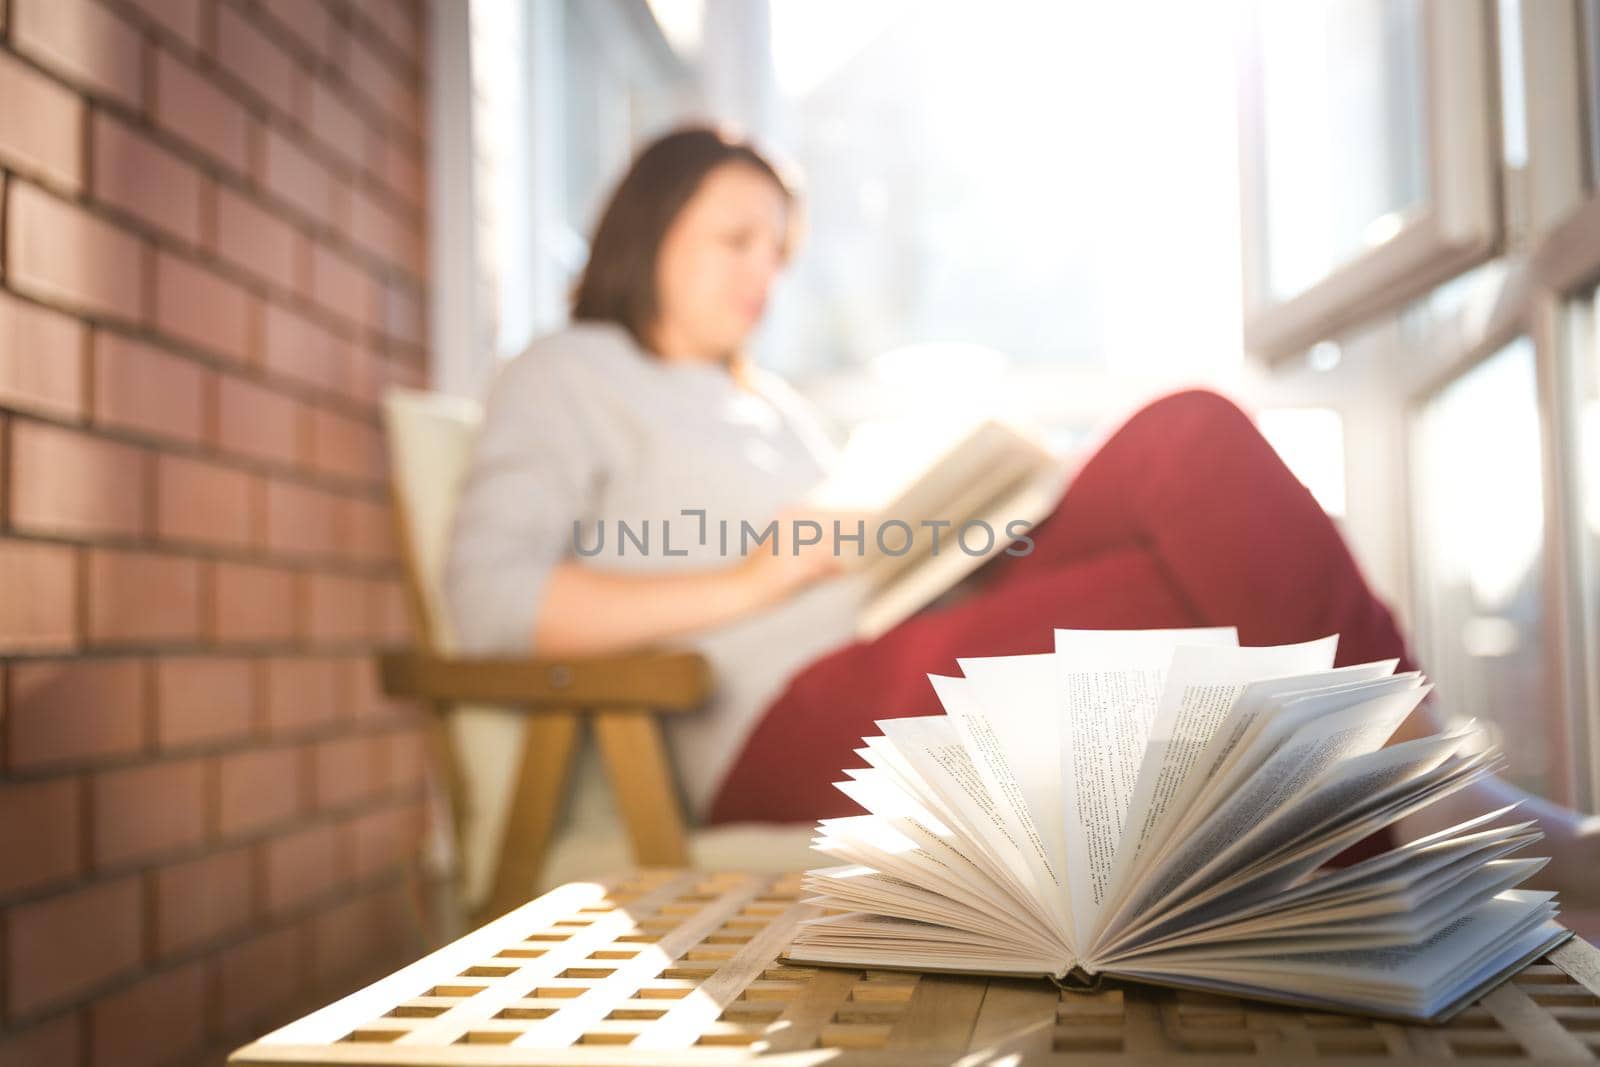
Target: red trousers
(1185, 516)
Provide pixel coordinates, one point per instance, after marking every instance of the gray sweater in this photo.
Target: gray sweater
(586, 427)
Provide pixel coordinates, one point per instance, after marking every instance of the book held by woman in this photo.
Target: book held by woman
(931, 523)
(1159, 806)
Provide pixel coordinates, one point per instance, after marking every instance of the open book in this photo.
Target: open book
(938, 521)
(1158, 806)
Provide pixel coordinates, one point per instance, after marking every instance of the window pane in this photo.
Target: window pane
(1311, 443)
(1344, 158)
(583, 127)
(1479, 510)
(1581, 360)
(1014, 174)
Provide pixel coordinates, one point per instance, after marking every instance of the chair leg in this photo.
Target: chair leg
(636, 762)
(548, 747)
(442, 887)
(441, 746)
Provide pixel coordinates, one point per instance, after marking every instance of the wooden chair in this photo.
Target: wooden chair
(621, 696)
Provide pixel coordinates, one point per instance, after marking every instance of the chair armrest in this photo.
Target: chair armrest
(658, 681)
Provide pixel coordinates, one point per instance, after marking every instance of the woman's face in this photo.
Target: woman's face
(717, 262)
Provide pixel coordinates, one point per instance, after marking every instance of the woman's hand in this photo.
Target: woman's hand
(805, 552)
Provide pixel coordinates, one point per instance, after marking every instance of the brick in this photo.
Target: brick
(180, 18)
(204, 503)
(303, 693)
(373, 228)
(342, 771)
(258, 978)
(142, 596)
(192, 107)
(71, 483)
(352, 936)
(38, 612)
(203, 700)
(376, 135)
(294, 346)
(402, 28)
(391, 613)
(335, 123)
(402, 171)
(145, 811)
(368, 700)
(339, 204)
(201, 307)
(375, 375)
(258, 789)
(381, 839)
(56, 1042)
(402, 315)
(253, 604)
(84, 41)
(59, 948)
(414, 259)
(41, 359)
(406, 758)
(41, 124)
(38, 833)
(368, 532)
(292, 175)
(258, 422)
(61, 253)
(300, 867)
(251, 57)
(139, 387)
(74, 711)
(336, 608)
(256, 240)
(364, 383)
(342, 445)
(341, 287)
(202, 900)
(375, 80)
(152, 1022)
(338, 43)
(301, 520)
(307, 23)
(134, 174)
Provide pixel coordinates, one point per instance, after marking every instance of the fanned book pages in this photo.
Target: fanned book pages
(1160, 806)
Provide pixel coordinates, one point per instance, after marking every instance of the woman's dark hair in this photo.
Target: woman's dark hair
(619, 281)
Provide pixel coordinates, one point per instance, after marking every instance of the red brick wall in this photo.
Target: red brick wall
(211, 264)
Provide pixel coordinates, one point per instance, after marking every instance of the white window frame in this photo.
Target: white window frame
(1457, 228)
(1549, 255)
(463, 355)
(1531, 301)
(459, 347)
(1523, 314)
(1555, 181)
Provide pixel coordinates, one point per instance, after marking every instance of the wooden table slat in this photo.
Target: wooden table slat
(663, 968)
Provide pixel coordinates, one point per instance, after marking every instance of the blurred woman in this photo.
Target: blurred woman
(647, 413)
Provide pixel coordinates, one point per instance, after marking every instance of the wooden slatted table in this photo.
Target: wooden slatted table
(674, 968)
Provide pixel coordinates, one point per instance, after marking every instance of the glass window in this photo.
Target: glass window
(1581, 395)
(585, 153)
(1344, 145)
(1017, 175)
(1311, 443)
(1370, 160)
(1480, 523)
